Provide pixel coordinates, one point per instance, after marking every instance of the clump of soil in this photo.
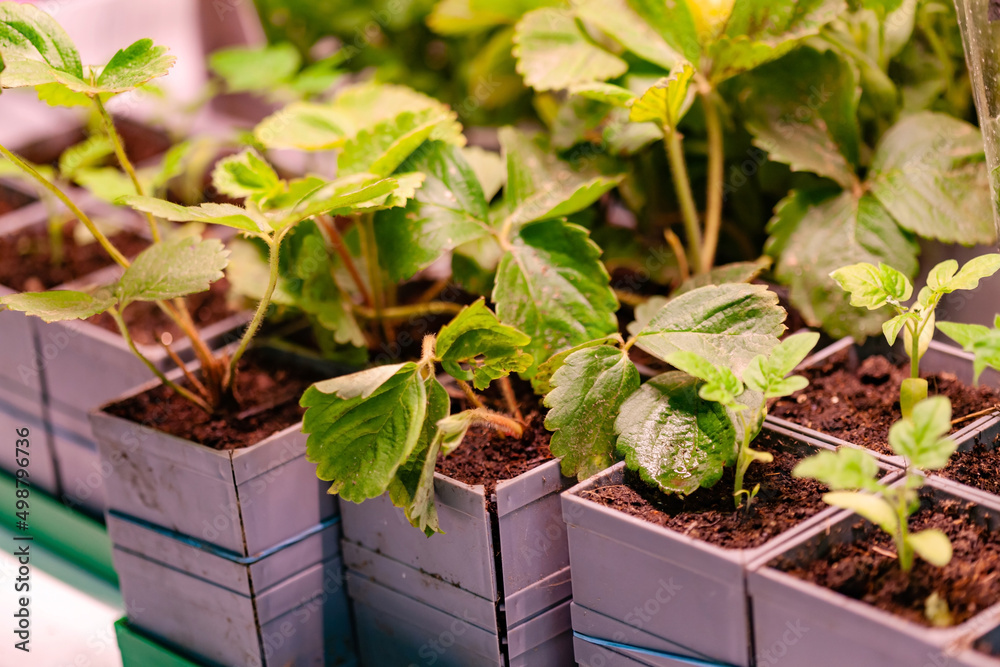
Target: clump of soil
(11, 200)
(859, 404)
(977, 467)
(147, 323)
(969, 583)
(710, 514)
(488, 456)
(26, 257)
(267, 392)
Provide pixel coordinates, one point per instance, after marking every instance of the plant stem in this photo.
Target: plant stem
(510, 399)
(469, 394)
(915, 334)
(506, 424)
(126, 164)
(902, 537)
(370, 252)
(120, 321)
(685, 198)
(337, 240)
(716, 166)
(675, 244)
(80, 215)
(406, 312)
(274, 247)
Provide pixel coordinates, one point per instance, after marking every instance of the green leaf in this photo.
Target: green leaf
(873, 508)
(620, 22)
(489, 168)
(767, 374)
(726, 324)
(541, 382)
(587, 394)
(33, 43)
(173, 268)
(932, 545)
(921, 438)
(604, 92)
(352, 193)
(966, 335)
(477, 338)
(891, 328)
(554, 53)
(59, 305)
(667, 100)
(227, 215)
(553, 286)
(246, 174)
(759, 31)
(847, 469)
(872, 287)
(542, 186)
(447, 211)
(943, 277)
(721, 385)
(384, 147)
(256, 68)
(737, 272)
(803, 112)
(413, 486)
(363, 426)
(131, 67)
(791, 352)
(306, 126)
(911, 391)
(88, 153)
(814, 234)
(645, 312)
(674, 438)
(674, 23)
(929, 172)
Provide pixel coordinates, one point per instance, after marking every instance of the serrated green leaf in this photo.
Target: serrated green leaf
(59, 305)
(172, 268)
(674, 438)
(413, 486)
(674, 23)
(873, 508)
(552, 286)
(306, 126)
(108, 183)
(604, 92)
(929, 172)
(352, 193)
(227, 215)
(58, 95)
(667, 100)
(944, 278)
(246, 174)
(256, 68)
(448, 210)
(554, 53)
(475, 337)
(921, 437)
(932, 545)
(363, 426)
(721, 385)
(383, 148)
(34, 45)
(88, 153)
(541, 382)
(489, 168)
(645, 312)
(737, 272)
(587, 394)
(966, 335)
(872, 286)
(814, 234)
(620, 22)
(132, 67)
(791, 352)
(726, 324)
(803, 112)
(891, 328)
(847, 469)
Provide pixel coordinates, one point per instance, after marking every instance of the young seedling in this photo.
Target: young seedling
(383, 429)
(768, 376)
(874, 287)
(981, 341)
(852, 474)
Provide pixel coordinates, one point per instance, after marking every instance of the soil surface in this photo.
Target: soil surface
(709, 514)
(488, 456)
(267, 393)
(11, 200)
(26, 257)
(147, 323)
(860, 403)
(977, 467)
(969, 583)
(141, 143)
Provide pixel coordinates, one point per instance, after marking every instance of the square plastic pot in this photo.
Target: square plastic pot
(687, 593)
(244, 500)
(589, 626)
(799, 623)
(279, 607)
(967, 656)
(939, 358)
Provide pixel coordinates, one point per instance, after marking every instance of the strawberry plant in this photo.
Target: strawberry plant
(852, 474)
(874, 288)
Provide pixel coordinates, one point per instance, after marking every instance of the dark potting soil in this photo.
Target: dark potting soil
(267, 393)
(860, 404)
(977, 467)
(141, 142)
(488, 456)
(147, 323)
(969, 583)
(710, 514)
(26, 257)
(11, 200)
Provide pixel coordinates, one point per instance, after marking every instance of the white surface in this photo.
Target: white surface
(72, 624)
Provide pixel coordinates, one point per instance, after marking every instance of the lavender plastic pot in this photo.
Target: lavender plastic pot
(798, 623)
(687, 597)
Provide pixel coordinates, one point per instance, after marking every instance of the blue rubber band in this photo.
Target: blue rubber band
(215, 550)
(685, 659)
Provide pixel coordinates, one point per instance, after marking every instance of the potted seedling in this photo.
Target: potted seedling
(857, 405)
(904, 605)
